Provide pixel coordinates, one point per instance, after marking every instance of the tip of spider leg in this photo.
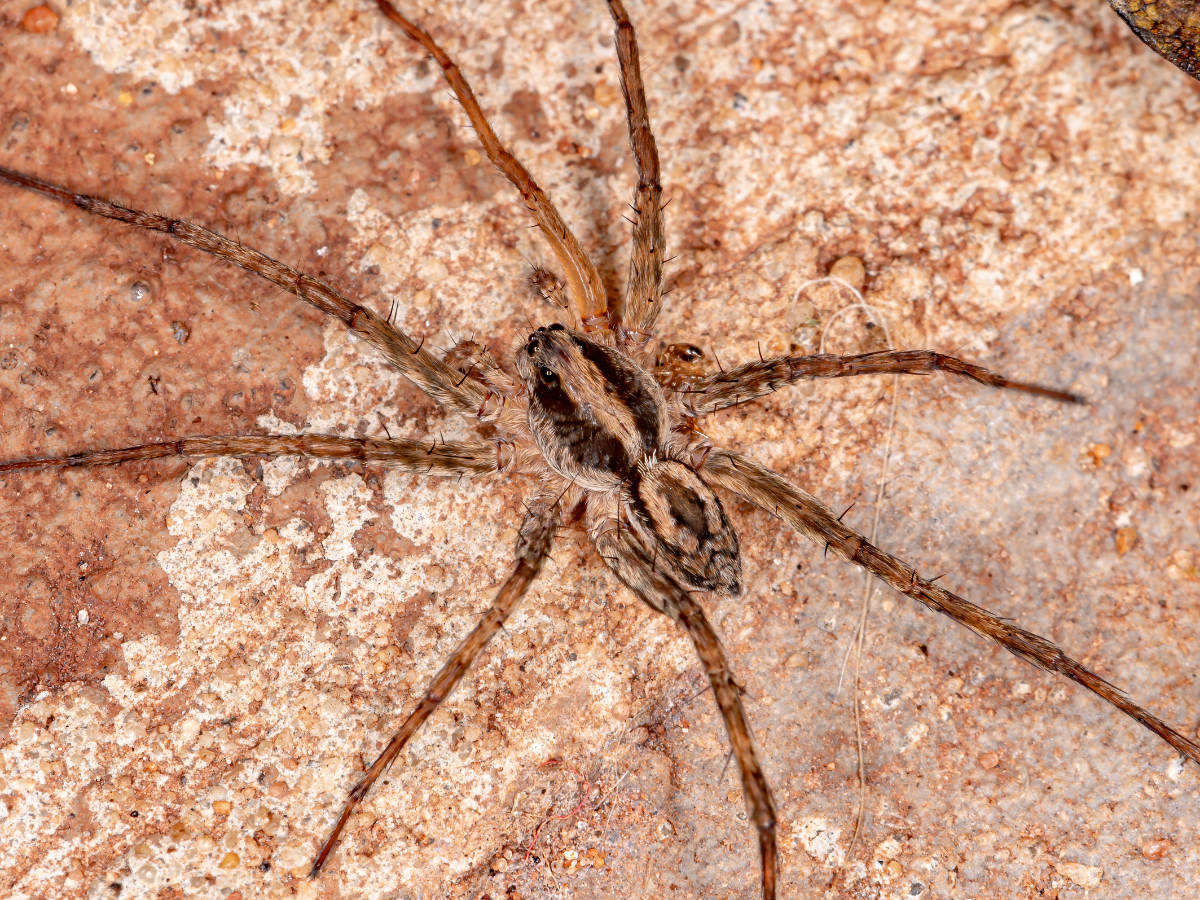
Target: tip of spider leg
(1063, 397)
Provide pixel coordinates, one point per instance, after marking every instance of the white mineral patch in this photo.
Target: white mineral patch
(456, 265)
(820, 839)
(291, 62)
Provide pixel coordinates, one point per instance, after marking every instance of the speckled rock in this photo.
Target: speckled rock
(196, 660)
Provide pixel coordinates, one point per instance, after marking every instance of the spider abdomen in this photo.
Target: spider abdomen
(684, 527)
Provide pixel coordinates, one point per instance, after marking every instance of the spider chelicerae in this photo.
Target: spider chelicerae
(610, 427)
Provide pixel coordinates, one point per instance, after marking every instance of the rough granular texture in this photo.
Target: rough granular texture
(196, 660)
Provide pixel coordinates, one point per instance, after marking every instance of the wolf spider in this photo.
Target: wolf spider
(611, 432)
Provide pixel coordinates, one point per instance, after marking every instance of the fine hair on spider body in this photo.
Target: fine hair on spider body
(604, 424)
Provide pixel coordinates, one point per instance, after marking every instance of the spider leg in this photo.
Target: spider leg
(424, 370)
(583, 281)
(752, 380)
(533, 546)
(658, 590)
(458, 458)
(812, 518)
(643, 295)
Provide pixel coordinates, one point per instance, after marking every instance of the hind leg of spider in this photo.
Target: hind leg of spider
(634, 319)
(440, 457)
(709, 393)
(773, 493)
(533, 546)
(657, 589)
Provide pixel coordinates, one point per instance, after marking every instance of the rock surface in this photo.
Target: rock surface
(196, 659)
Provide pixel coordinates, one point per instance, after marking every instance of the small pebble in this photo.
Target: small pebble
(222, 807)
(605, 94)
(1126, 540)
(388, 653)
(40, 20)
(230, 861)
(1156, 849)
(851, 270)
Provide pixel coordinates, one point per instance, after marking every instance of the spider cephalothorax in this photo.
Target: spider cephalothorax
(597, 428)
(595, 414)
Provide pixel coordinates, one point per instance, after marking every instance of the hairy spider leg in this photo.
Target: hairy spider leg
(771, 492)
(417, 364)
(658, 590)
(458, 458)
(758, 378)
(533, 546)
(634, 319)
(583, 281)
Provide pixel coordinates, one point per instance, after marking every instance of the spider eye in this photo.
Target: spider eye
(548, 376)
(557, 327)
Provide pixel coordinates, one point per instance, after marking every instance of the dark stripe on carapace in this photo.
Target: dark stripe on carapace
(633, 394)
(589, 444)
